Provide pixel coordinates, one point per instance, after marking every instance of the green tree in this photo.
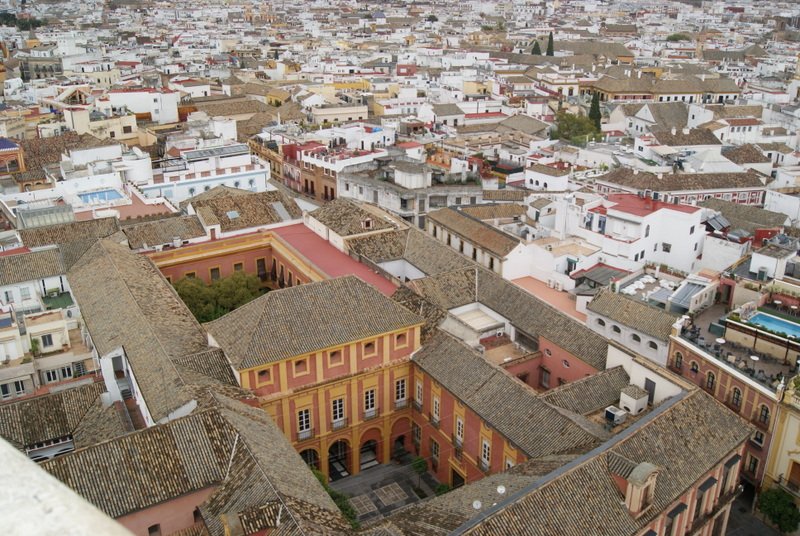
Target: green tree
(550, 45)
(537, 50)
(674, 38)
(577, 129)
(594, 111)
(779, 507)
(432, 18)
(419, 465)
(208, 302)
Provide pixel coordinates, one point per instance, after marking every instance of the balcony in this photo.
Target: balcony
(434, 419)
(371, 414)
(483, 465)
(400, 404)
(417, 405)
(761, 423)
(338, 424)
(699, 525)
(789, 485)
(303, 435)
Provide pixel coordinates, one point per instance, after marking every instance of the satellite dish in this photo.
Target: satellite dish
(501, 489)
(476, 504)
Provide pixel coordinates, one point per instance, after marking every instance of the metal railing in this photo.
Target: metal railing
(370, 413)
(338, 424)
(302, 435)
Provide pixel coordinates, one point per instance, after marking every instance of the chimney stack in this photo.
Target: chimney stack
(686, 130)
(674, 131)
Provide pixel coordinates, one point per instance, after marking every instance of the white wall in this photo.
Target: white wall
(638, 373)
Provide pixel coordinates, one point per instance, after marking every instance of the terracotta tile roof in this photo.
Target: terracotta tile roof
(68, 232)
(163, 231)
(677, 182)
(30, 266)
(696, 136)
(589, 394)
(684, 440)
(488, 212)
(346, 218)
(746, 217)
(126, 302)
(333, 312)
(532, 426)
(504, 195)
(473, 230)
(235, 448)
(634, 314)
(236, 212)
(745, 154)
(40, 152)
(213, 193)
(525, 311)
(43, 418)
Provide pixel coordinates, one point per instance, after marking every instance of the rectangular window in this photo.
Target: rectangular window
(509, 463)
(369, 400)
(5, 392)
(691, 230)
(752, 465)
(416, 434)
(47, 340)
(51, 376)
(338, 410)
(698, 505)
(400, 389)
(434, 449)
(214, 273)
(666, 248)
(436, 408)
(304, 420)
(459, 429)
(66, 372)
(486, 454)
(238, 267)
(25, 292)
(9, 296)
(545, 382)
(418, 396)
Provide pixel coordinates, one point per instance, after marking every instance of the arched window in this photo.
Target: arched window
(616, 329)
(636, 338)
(601, 322)
(736, 397)
(678, 362)
(710, 380)
(652, 345)
(763, 415)
(695, 367)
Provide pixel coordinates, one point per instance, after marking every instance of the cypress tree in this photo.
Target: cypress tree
(537, 50)
(594, 111)
(550, 46)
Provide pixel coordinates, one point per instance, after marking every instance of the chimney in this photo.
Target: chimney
(635, 171)
(660, 175)
(686, 130)
(639, 74)
(674, 131)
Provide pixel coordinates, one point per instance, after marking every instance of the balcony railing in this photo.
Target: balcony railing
(733, 405)
(303, 435)
(761, 423)
(338, 424)
(434, 419)
(400, 404)
(370, 413)
(417, 405)
(700, 523)
(790, 486)
(483, 465)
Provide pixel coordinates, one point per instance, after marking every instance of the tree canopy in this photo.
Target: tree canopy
(577, 129)
(594, 111)
(537, 50)
(10, 19)
(550, 45)
(779, 507)
(674, 38)
(208, 302)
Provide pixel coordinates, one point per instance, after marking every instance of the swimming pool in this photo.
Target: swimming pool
(100, 196)
(773, 323)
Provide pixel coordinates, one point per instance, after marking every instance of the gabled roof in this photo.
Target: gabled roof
(746, 217)
(677, 182)
(475, 231)
(634, 314)
(163, 231)
(346, 218)
(31, 266)
(323, 314)
(233, 213)
(589, 394)
(509, 406)
(126, 303)
(69, 232)
(233, 449)
(685, 438)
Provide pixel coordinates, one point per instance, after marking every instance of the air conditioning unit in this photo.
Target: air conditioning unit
(615, 415)
(559, 285)
(500, 332)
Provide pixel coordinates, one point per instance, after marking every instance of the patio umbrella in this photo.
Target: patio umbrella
(721, 341)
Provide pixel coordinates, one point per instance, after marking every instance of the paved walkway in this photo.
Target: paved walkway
(744, 523)
(379, 490)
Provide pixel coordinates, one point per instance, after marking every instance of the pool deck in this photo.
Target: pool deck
(137, 209)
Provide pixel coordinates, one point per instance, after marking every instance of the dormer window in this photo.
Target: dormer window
(367, 224)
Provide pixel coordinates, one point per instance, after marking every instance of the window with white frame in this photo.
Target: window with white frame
(369, 399)
(5, 391)
(436, 408)
(418, 395)
(25, 292)
(400, 389)
(459, 429)
(304, 420)
(338, 409)
(486, 452)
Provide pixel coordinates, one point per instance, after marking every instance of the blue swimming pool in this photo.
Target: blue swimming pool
(100, 196)
(773, 323)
